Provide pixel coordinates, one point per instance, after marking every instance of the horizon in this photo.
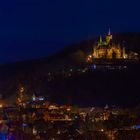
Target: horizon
(57, 48)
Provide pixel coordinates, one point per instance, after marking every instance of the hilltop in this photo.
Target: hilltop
(48, 76)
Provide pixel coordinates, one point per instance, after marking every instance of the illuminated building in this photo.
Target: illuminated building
(107, 50)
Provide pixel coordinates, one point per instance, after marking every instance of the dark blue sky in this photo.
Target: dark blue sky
(36, 28)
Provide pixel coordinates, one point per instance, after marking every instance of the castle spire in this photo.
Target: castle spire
(108, 37)
(109, 33)
(100, 40)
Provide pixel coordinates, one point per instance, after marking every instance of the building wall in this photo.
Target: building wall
(109, 53)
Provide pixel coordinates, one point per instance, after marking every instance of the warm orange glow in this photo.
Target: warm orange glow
(102, 130)
(90, 56)
(1, 105)
(106, 49)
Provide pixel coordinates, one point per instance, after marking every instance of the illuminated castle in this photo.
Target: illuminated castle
(106, 49)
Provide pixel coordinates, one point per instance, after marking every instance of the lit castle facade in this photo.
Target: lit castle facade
(106, 49)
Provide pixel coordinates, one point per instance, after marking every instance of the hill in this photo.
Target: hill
(56, 77)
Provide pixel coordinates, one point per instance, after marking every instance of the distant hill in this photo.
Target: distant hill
(42, 76)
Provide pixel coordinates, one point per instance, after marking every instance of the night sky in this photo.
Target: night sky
(36, 28)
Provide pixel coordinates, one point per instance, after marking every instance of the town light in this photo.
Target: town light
(1, 105)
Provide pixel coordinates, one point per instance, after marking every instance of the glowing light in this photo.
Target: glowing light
(137, 126)
(41, 98)
(90, 56)
(1, 105)
(22, 89)
(52, 107)
(34, 98)
(102, 130)
(68, 109)
(34, 131)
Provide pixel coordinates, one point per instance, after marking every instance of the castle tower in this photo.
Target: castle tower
(100, 40)
(109, 32)
(108, 37)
